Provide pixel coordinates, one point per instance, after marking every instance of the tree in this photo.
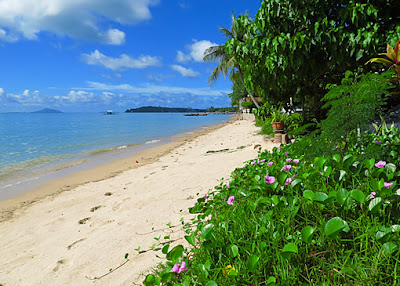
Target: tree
(293, 48)
(227, 62)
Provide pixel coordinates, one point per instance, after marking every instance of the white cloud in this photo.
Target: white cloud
(182, 58)
(151, 89)
(26, 92)
(121, 63)
(75, 18)
(1, 91)
(196, 51)
(185, 72)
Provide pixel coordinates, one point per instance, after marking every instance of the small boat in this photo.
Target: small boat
(109, 112)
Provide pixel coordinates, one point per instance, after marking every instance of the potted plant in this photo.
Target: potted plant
(277, 119)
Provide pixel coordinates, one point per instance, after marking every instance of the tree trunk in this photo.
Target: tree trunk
(251, 96)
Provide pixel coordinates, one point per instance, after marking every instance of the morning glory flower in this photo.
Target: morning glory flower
(262, 161)
(270, 179)
(380, 164)
(289, 160)
(231, 200)
(205, 196)
(253, 163)
(287, 167)
(270, 163)
(296, 161)
(227, 185)
(378, 142)
(288, 181)
(286, 153)
(243, 194)
(387, 185)
(373, 195)
(179, 269)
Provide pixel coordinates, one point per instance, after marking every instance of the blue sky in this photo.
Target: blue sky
(93, 55)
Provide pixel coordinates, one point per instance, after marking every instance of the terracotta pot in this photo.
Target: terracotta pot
(277, 125)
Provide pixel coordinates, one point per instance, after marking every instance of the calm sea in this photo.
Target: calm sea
(34, 144)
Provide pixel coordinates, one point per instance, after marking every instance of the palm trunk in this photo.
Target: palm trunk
(251, 96)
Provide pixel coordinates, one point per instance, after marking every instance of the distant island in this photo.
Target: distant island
(47, 110)
(164, 109)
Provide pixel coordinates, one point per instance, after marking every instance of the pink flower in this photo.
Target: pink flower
(227, 185)
(243, 194)
(380, 164)
(231, 200)
(373, 195)
(205, 196)
(270, 163)
(387, 185)
(270, 179)
(296, 161)
(289, 160)
(279, 147)
(262, 161)
(288, 181)
(286, 153)
(253, 163)
(287, 167)
(179, 269)
(378, 142)
(362, 153)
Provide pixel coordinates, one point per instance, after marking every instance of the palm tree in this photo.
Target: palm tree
(227, 63)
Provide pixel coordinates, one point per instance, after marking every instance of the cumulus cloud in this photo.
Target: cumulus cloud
(123, 62)
(196, 51)
(152, 89)
(185, 72)
(82, 19)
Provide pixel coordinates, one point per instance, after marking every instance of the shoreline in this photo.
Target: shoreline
(69, 178)
(72, 236)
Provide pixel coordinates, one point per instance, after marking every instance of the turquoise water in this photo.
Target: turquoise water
(31, 144)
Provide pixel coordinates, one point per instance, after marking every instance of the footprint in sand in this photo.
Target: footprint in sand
(84, 220)
(95, 208)
(75, 243)
(101, 223)
(60, 263)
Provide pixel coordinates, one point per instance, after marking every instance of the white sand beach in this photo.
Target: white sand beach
(79, 227)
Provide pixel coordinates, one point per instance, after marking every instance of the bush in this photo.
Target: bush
(288, 218)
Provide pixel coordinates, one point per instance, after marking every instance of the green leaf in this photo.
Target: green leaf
(271, 281)
(334, 226)
(295, 182)
(341, 196)
(211, 283)
(369, 163)
(327, 171)
(190, 239)
(252, 262)
(126, 255)
(320, 196)
(391, 167)
(288, 250)
(234, 250)
(149, 280)
(358, 195)
(389, 248)
(395, 228)
(307, 233)
(165, 249)
(203, 270)
(282, 178)
(375, 204)
(340, 175)
(320, 161)
(382, 234)
(309, 195)
(175, 253)
(337, 158)
(207, 231)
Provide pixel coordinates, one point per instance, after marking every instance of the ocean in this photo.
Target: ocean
(33, 145)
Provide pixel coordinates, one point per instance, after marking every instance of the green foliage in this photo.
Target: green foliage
(292, 49)
(247, 104)
(353, 104)
(330, 219)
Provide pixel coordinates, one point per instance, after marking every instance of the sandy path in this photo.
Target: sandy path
(61, 239)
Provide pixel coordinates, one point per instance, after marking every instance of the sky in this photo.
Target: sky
(96, 55)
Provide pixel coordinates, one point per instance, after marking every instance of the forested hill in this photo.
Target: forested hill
(164, 109)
